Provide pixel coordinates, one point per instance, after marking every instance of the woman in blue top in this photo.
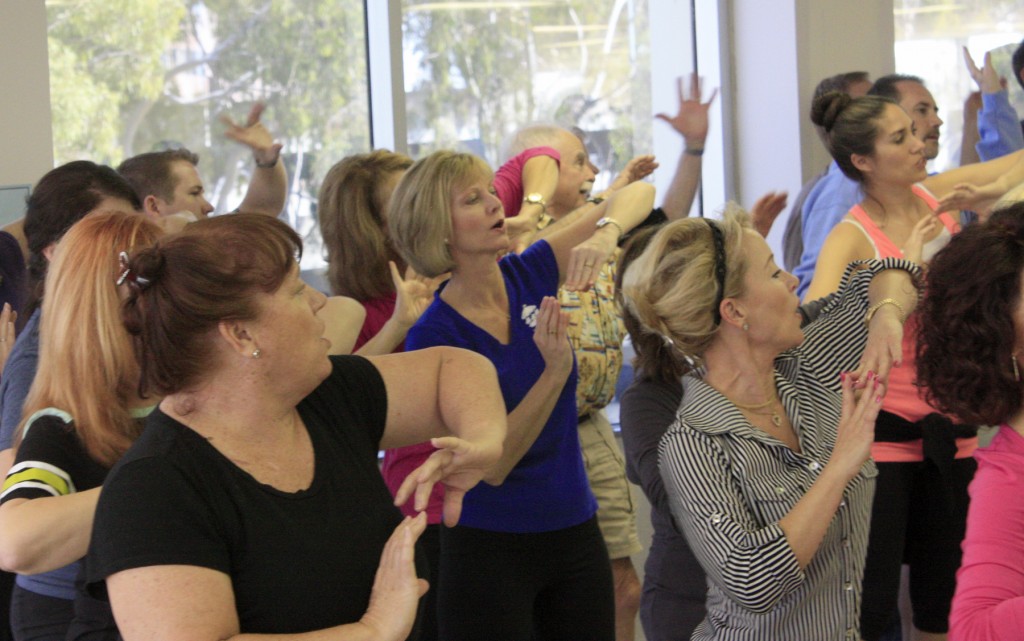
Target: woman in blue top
(527, 558)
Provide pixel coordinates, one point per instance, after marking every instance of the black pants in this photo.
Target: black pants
(913, 522)
(36, 617)
(547, 586)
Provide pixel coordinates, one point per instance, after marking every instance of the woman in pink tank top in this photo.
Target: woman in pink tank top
(924, 459)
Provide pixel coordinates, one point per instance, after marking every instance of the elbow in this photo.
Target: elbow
(18, 557)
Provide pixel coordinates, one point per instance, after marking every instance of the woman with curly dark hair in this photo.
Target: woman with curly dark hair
(972, 332)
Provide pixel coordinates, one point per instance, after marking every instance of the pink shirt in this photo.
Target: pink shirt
(399, 462)
(902, 396)
(508, 180)
(989, 600)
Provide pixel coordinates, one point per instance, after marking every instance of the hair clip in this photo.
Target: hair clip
(127, 275)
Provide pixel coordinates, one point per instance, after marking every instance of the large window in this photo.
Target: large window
(930, 35)
(129, 76)
(475, 71)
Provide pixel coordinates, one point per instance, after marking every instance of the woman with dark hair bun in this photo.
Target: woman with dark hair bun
(252, 502)
(969, 358)
(925, 461)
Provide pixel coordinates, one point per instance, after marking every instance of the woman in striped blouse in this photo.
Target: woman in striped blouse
(767, 465)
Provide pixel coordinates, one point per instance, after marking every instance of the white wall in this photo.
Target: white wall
(779, 51)
(26, 139)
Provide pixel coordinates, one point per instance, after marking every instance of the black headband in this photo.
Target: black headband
(716, 234)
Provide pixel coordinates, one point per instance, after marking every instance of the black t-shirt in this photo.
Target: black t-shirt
(298, 561)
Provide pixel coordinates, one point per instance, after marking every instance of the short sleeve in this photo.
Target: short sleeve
(353, 395)
(536, 268)
(150, 514)
(46, 460)
(508, 180)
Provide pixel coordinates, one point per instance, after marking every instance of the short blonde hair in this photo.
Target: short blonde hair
(420, 215)
(671, 287)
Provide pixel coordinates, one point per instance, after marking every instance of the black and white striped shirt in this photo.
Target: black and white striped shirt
(730, 484)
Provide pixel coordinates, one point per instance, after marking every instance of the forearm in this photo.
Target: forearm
(897, 285)
(470, 401)
(540, 176)
(805, 525)
(44, 534)
(386, 340)
(527, 420)
(683, 188)
(267, 191)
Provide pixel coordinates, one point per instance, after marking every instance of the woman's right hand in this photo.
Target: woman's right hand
(413, 294)
(550, 336)
(914, 247)
(396, 588)
(856, 431)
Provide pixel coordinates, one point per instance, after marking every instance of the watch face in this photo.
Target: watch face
(534, 198)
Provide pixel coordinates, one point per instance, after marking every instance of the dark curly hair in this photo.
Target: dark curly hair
(967, 337)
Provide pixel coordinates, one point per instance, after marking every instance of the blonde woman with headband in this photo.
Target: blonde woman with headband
(767, 466)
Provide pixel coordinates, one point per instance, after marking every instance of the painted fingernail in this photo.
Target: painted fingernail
(878, 399)
(842, 376)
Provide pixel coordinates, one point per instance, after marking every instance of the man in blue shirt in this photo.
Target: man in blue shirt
(999, 130)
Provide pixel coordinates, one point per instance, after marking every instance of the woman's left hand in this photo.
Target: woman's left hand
(588, 258)
(884, 349)
(966, 196)
(459, 465)
(636, 169)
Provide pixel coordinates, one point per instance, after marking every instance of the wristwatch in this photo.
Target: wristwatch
(610, 221)
(536, 199)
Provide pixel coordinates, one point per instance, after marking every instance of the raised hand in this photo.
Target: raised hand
(253, 135)
(965, 196)
(413, 294)
(691, 119)
(767, 208)
(914, 247)
(986, 78)
(550, 335)
(636, 169)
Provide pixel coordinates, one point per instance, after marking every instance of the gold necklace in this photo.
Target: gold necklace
(775, 417)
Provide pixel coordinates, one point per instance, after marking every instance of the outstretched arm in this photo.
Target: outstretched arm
(268, 189)
(691, 122)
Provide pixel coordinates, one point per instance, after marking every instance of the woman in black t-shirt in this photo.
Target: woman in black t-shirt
(252, 502)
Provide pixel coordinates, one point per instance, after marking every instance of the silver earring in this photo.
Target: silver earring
(1016, 369)
(256, 353)
(746, 327)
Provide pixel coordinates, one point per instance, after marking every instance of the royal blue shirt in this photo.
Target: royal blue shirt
(548, 489)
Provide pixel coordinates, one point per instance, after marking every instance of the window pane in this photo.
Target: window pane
(475, 71)
(129, 76)
(930, 36)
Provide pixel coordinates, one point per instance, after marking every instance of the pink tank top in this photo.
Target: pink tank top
(903, 396)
